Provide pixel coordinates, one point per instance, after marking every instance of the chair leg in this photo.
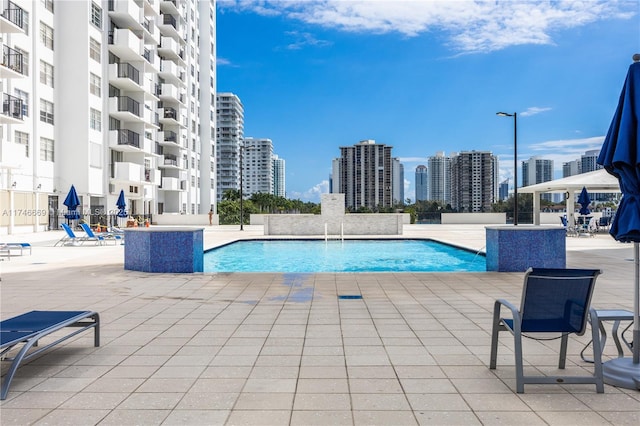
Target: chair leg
(563, 351)
(597, 350)
(519, 367)
(494, 336)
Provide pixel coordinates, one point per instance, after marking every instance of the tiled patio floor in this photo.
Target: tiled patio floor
(247, 349)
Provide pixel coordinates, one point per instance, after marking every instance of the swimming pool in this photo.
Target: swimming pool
(341, 256)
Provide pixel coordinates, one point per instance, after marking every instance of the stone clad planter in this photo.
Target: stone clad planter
(170, 249)
(517, 248)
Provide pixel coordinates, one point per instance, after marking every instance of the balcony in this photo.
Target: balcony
(152, 176)
(12, 18)
(11, 66)
(170, 116)
(124, 140)
(126, 45)
(170, 6)
(128, 172)
(169, 138)
(125, 108)
(172, 73)
(171, 161)
(169, 92)
(170, 49)
(125, 77)
(126, 14)
(11, 110)
(170, 184)
(151, 120)
(170, 25)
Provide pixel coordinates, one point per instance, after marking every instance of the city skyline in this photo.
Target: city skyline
(424, 77)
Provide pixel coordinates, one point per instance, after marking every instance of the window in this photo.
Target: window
(95, 120)
(46, 149)
(94, 50)
(25, 61)
(46, 111)
(48, 4)
(25, 101)
(96, 15)
(94, 84)
(46, 73)
(23, 139)
(46, 35)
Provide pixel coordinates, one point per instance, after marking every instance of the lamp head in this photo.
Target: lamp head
(504, 114)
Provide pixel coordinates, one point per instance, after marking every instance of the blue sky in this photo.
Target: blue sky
(424, 76)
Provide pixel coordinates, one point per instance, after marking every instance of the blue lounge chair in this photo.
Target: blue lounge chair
(100, 237)
(32, 327)
(70, 239)
(19, 246)
(553, 301)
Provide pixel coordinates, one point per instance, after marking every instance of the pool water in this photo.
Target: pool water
(341, 256)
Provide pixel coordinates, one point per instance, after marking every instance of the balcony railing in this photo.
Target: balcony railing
(125, 103)
(128, 137)
(169, 20)
(126, 70)
(170, 160)
(12, 59)
(11, 106)
(170, 113)
(170, 136)
(14, 13)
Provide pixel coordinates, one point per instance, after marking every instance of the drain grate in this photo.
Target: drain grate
(349, 296)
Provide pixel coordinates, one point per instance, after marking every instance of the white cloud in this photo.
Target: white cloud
(302, 39)
(534, 110)
(470, 26)
(312, 194)
(224, 62)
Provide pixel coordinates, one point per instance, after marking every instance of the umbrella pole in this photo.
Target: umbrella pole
(636, 305)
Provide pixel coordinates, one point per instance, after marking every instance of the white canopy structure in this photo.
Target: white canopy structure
(597, 181)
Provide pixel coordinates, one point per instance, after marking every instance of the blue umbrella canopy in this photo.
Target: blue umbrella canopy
(72, 202)
(122, 205)
(620, 156)
(584, 202)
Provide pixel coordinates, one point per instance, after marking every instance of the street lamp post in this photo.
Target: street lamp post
(515, 162)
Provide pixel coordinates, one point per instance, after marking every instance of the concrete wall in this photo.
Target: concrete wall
(350, 224)
(473, 218)
(184, 219)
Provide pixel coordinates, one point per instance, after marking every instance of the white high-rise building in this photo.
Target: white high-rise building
(439, 179)
(229, 139)
(279, 184)
(257, 166)
(106, 96)
(537, 170)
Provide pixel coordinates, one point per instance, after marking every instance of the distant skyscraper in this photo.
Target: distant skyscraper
(588, 161)
(439, 179)
(503, 190)
(422, 184)
(229, 133)
(571, 168)
(398, 181)
(537, 170)
(279, 188)
(257, 166)
(474, 181)
(364, 174)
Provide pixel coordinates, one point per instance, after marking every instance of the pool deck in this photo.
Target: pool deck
(282, 349)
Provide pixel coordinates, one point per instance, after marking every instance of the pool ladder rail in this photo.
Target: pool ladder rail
(326, 232)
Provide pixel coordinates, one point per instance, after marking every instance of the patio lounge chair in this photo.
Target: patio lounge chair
(19, 246)
(553, 301)
(70, 239)
(32, 327)
(99, 238)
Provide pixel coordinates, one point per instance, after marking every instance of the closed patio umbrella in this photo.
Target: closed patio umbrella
(72, 202)
(584, 202)
(620, 156)
(121, 204)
